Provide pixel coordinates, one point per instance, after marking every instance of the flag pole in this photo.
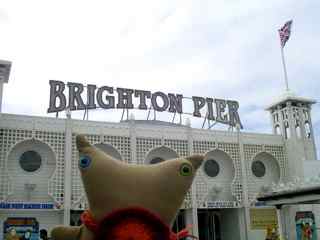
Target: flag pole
(284, 34)
(284, 68)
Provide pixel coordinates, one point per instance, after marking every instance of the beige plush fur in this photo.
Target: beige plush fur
(111, 184)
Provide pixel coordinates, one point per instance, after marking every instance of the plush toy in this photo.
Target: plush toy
(12, 235)
(127, 201)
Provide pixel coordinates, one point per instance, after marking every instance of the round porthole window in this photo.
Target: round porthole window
(211, 168)
(258, 169)
(30, 161)
(156, 160)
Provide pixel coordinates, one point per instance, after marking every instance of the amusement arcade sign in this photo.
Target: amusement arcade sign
(106, 97)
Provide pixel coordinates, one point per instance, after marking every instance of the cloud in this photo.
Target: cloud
(4, 17)
(224, 49)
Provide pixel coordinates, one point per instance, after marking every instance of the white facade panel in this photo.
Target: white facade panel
(137, 143)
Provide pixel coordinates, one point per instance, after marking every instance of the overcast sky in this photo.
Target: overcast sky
(221, 49)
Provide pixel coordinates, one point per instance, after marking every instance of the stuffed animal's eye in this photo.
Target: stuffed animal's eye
(84, 162)
(186, 169)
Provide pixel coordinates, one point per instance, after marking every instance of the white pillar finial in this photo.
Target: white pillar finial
(5, 67)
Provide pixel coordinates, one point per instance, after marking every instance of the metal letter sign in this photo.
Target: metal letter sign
(219, 110)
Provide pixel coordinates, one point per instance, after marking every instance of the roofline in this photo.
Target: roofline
(289, 194)
(291, 98)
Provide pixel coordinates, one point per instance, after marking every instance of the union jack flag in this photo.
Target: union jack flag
(285, 32)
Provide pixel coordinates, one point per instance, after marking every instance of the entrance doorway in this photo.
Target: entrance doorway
(209, 224)
(75, 217)
(179, 222)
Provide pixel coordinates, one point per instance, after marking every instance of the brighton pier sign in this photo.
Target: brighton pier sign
(106, 97)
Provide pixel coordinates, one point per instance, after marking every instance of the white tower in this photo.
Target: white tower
(291, 118)
(5, 67)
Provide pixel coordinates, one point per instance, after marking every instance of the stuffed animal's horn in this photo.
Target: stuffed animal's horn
(196, 160)
(82, 142)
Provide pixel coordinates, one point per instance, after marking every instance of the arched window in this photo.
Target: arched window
(285, 114)
(306, 114)
(308, 129)
(286, 130)
(277, 130)
(298, 130)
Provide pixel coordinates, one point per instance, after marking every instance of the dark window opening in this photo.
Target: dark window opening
(258, 169)
(30, 161)
(179, 223)
(211, 168)
(209, 225)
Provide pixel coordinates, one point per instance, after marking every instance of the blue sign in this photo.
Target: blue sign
(221, 204)
(13, 205)
(260, 203)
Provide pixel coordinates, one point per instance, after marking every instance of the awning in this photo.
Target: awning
(309, 195)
